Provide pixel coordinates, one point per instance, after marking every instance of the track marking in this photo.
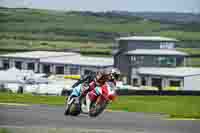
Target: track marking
(181, 119)
(14, 104)
(110, 110)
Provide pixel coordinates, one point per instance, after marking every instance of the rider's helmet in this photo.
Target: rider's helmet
(115, 74)
(110, 74)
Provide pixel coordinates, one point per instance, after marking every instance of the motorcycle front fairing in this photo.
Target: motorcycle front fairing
(76, 91)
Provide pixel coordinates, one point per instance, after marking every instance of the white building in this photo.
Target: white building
(75, 64)
(183, 78)
(54, 62)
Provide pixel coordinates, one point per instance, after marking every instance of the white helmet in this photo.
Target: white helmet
(115, 73)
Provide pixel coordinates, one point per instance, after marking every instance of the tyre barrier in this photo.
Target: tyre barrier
(159, 93)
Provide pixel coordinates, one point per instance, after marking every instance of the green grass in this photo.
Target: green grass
(180, 35)
(28, 98)
(87, 48)
(31, 24)
(194, 62)
(50, 45)
(191, 51)
(34, 29)
(4, 130)
(34, 24)
(48, 130)
(175, 106)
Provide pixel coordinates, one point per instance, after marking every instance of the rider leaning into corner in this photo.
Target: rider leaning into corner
(95, 85)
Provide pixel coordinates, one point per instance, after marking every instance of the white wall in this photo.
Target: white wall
(192, 83)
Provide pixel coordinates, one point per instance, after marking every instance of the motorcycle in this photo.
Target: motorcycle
(77, 104)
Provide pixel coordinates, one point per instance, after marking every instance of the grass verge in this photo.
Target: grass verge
(3, 130)
(175, 106)
(30, 99)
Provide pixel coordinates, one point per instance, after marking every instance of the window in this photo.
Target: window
(166, 45)
(175, 83)
(5, 64)
(86, 72)
(18, 64)
(143, 81)
(135, 82)
(31, 66)
(157, 82)
(165, 61)
(60, 70)
(133, 58)
(46, 69)
(74, 70)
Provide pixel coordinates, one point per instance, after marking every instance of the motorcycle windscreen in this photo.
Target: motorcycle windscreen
(77, 91)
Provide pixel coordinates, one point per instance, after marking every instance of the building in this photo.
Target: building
(153, 61)
(54, 62)
(181, 78)
(28, 60)
(76, 64)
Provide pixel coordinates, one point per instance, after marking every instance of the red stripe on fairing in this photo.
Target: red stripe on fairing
(92, 96)
(105, 90)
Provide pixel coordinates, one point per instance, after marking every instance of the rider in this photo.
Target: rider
(100, 86)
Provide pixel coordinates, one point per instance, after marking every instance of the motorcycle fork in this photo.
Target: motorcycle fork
(98, 101)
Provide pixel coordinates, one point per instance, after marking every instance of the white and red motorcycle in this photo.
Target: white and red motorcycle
(94, 103)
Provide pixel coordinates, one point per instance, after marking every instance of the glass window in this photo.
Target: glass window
(175, 83)
(133, 58)
(74, 70)
(46, 68)
(143, 81)
(135, 82)
(31, 66)
(60, 70)
(165, 61)
(18, 64)
(5, 64)
(87, 72)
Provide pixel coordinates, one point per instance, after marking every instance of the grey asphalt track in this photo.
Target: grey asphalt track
(52, 117)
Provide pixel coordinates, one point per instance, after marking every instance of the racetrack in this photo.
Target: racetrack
(42, 116)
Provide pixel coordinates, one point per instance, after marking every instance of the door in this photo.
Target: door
(46, 69)
(60, 70)
(18, 64)
(157, 82)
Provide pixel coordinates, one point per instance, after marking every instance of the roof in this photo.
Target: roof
(147, 38)
(172, 72)
(80, 60)
(155, 52)
(38, 54)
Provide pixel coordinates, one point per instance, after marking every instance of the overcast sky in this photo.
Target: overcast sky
(108, 5)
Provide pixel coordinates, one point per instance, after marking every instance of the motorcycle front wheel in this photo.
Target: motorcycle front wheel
(73, 109)
(97, 109)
